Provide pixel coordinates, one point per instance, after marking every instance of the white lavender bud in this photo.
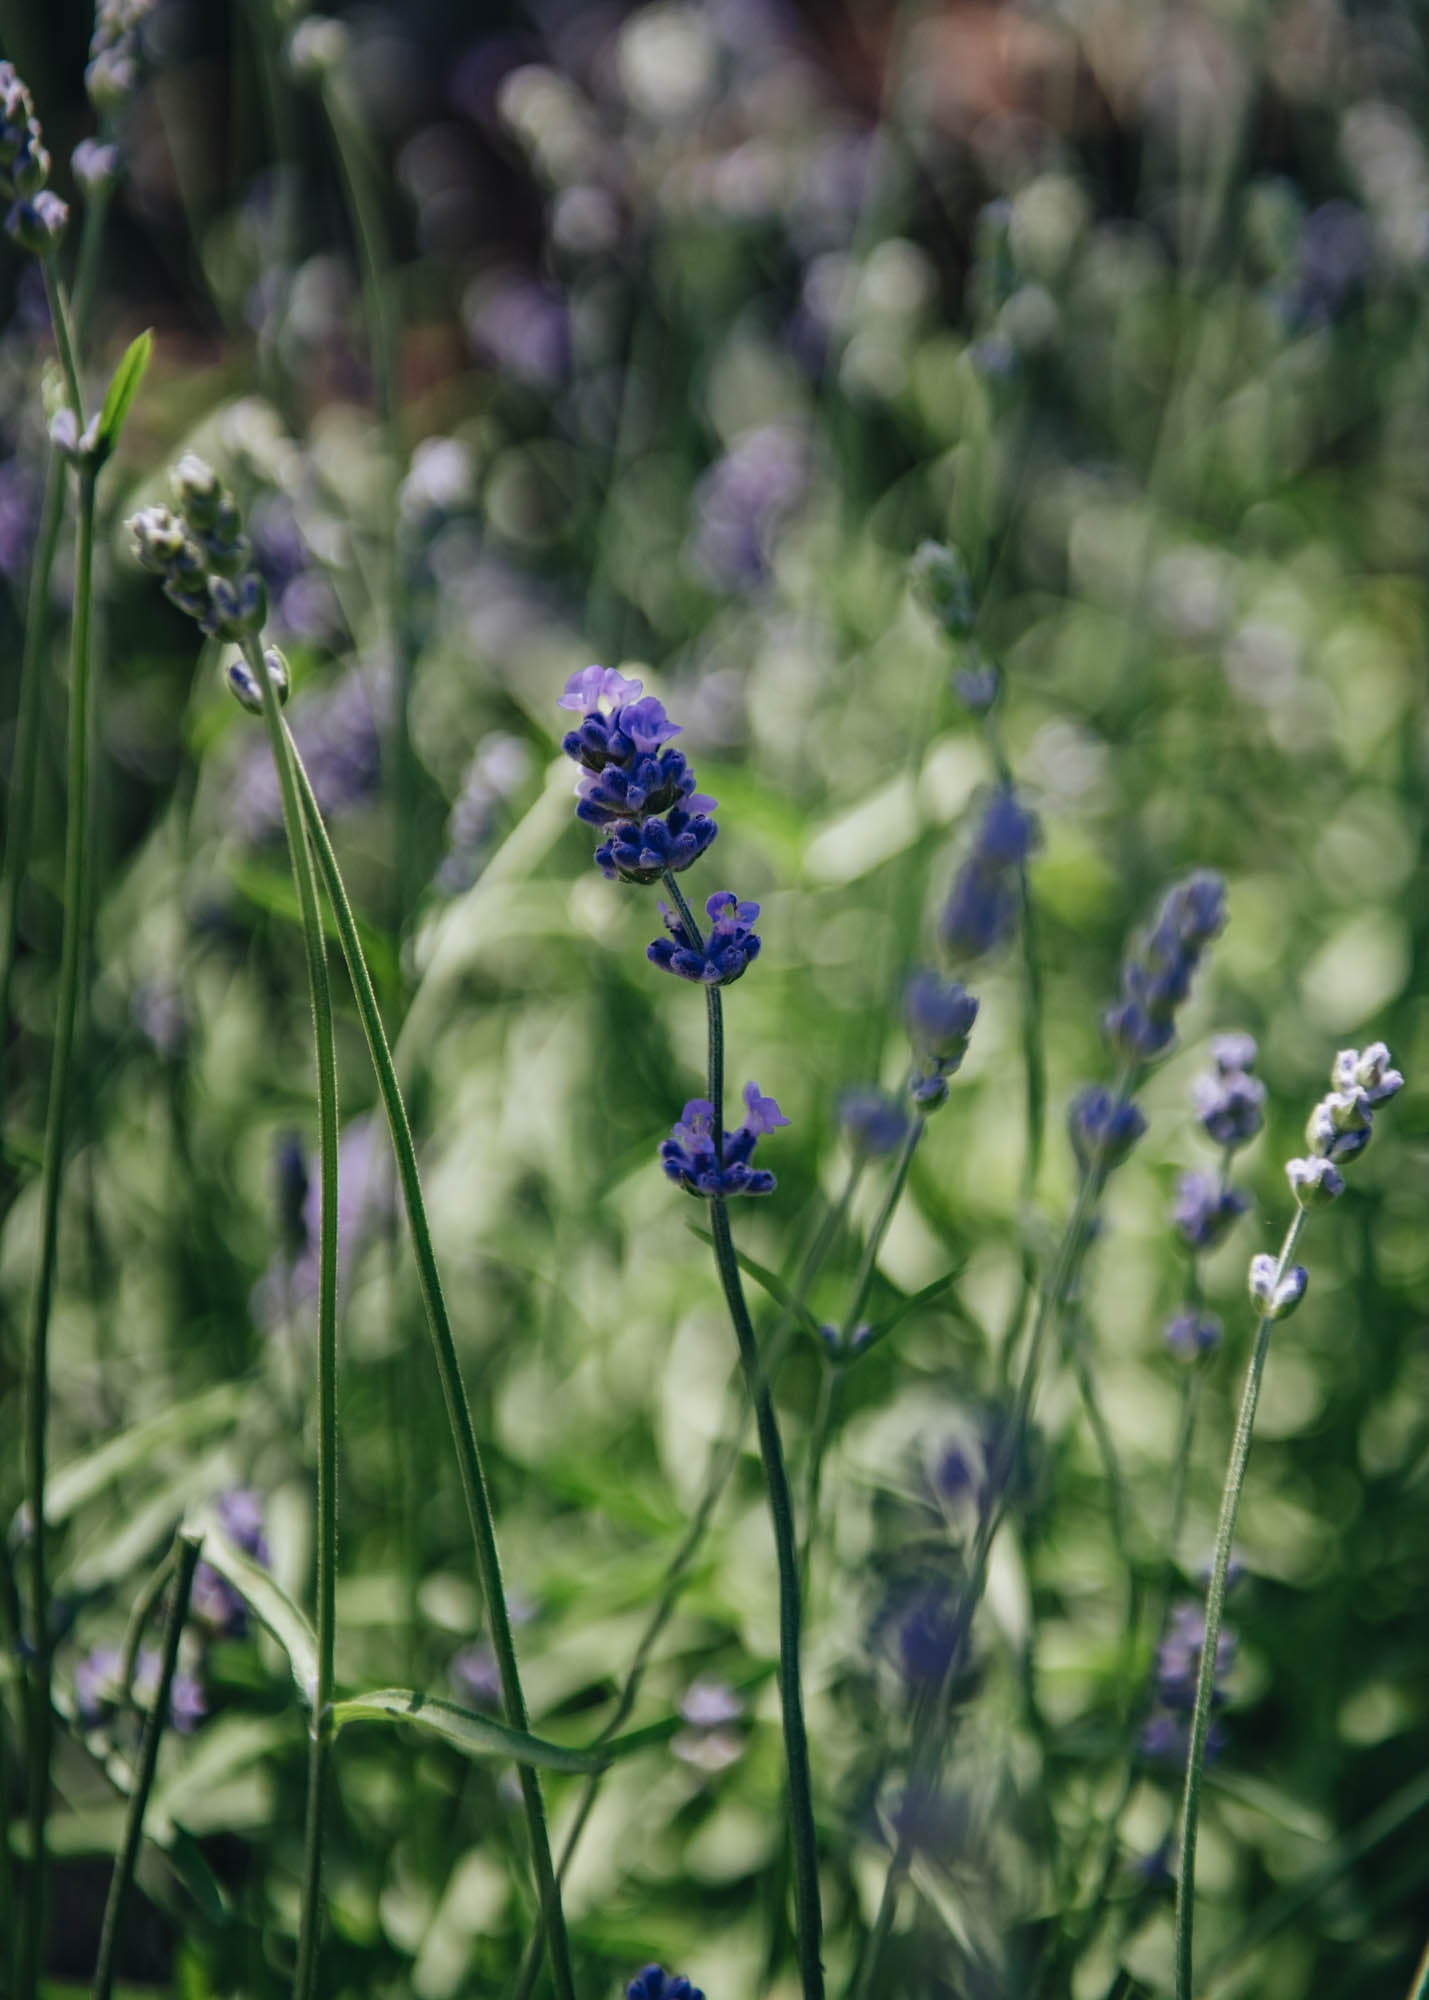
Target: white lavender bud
(1276, 1301)
(1315, 1183)
(243, 683)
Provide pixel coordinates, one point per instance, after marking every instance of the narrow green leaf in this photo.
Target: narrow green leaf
(123, 388)
(269, 1603)
(476, 1735)
(770, 1282)
(83, 1478)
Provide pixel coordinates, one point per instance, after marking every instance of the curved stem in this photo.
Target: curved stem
(64, 337)
(183, 1560)
(320, 993)
(76, 894)
(1215, 1608)
(468, 1453)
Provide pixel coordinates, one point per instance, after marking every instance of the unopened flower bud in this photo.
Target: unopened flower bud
(198, 491)
(1370, 1073)
(1276, 1300)
(316, 47)
(1315, 1183)
(1340, 1125)
(237, 605)
(243, 683)
(37, 222)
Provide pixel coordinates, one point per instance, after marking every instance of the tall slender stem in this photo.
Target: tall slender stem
(183, 1563)
(468, 1452)
(375, 264)
(807, 1910)
(76, 894)
(1215, 1610)
(320, 993)
(723, 1459)
(1419, 1989)
(808, 1916)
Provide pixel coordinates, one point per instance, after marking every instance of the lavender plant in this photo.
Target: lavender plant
(641, 793)
(1340, 1127)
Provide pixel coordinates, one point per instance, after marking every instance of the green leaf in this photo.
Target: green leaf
(269, 1603)
(123, 388)
(476, 1735)
(770, 1282)
(84, 1478)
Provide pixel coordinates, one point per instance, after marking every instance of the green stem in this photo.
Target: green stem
(375, 263)
(64, 338)
(1215, 1608)
(1420, 1988)
(861, 1987)
(469, 1463)
(320, 993)
(723, 1460)
(76, 894)
(807, 1913)
(808, 1917)
(184, 1562)
(139, 1616)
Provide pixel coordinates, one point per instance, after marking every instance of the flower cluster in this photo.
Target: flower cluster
(116, 53)
(1178, 1664)
(655, 1984)
(202, 554)
(1340, 1127)
(690, 1158)
(731, 947)
(37, 216)
(1156, 976)
(982, 906)
(940, 1017)
(640, 792)
(1229, 1102)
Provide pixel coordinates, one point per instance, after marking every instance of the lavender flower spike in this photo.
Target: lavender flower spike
(1103, 1128)
(940, 1019)
(1156, 977)
(641, 793)
(1204, 1211)
(689, 1156)
(875, 1125)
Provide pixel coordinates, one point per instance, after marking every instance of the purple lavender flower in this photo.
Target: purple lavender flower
(731, 947)
(1229, 1106)
(1341, 1125)
(1165, 1735)
(1277, 1297)
(689, 1153)
(1103, 1128)
(982, 904)
(1190, 1333)
(641, 792)
(874, 1123)
(940, 1016)
(1204, 1212)
(926, 1629)
(1156, 975)
(1372, 1073)
(655, 1984)
(643, 852)
(1314, 1183)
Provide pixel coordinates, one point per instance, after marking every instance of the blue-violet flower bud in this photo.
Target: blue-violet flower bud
(1190, 1333)
(1103, 1128)
(1370, 1073)
(642, 851)
(244, 686)
(1230, 1105)
(655, 1984)
(689, 1155)
(1340, 1126)
(1156, 975)
(731, 947)
(1204, 1212)
(874, 1123)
